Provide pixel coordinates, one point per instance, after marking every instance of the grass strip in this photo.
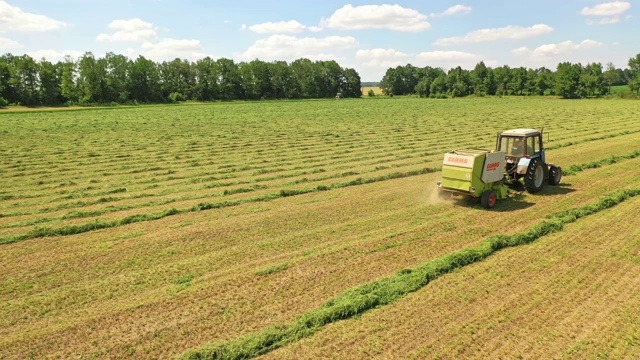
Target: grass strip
(386, 291)
(603, 137)
(576, 168)
(96, 225)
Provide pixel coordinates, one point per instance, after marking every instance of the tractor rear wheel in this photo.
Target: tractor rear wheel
(534, 178)
(555, 174)
(488, 199)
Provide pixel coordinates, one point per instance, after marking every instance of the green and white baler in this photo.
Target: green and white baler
(475, 172)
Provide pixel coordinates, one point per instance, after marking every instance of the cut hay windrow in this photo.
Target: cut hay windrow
(576, 168)
(596, 138)
(40, 232)
(386, 291)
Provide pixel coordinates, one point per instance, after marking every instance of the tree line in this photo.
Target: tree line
(116, 79)
(569, 80)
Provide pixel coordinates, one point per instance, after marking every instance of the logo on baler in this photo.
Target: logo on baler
(458, 160)
(493, 166)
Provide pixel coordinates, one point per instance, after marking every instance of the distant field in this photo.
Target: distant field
(376, 90)
(621, 89)
(145, 232)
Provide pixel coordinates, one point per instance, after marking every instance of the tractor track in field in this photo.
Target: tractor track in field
(40, 232)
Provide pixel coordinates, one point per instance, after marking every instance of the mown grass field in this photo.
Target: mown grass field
(146, 232)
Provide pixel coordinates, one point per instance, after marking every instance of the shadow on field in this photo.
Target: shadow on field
(561, 189)
(515, 201)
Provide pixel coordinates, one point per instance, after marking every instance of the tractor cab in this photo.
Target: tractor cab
(525, 159)
(521, 143)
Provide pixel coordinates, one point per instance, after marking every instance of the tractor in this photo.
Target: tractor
(519, 160)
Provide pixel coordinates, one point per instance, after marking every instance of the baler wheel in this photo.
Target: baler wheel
(488, 199)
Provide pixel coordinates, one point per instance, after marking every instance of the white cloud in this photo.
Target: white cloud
(380, 54)
(556, 50)
(454, 10)
(8, 44)
(446, 56)
(521, 51)
(169, 49)
(607, 9)
(610, 12)
(55, 56)
(14, 19)
(133, 30)
(383, 65)
(392, 17)
(605, 21)
(285, 47)
(291, 26)
(509, 32)
(448, 59)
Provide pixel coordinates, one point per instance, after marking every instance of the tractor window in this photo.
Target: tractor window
(530, 146)
(516, 147)
(505, 144)
(533, 145)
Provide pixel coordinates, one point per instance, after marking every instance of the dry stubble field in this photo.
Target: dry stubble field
(147, 232)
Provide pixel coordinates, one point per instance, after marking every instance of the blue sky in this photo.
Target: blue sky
(369, 36)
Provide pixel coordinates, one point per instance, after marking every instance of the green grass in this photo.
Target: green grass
(620, 89)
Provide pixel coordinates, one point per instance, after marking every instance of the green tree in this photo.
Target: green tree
(144, 81)
(611, 76)
(423, 89)
(118, 69)
(544, 81)
(591, 80)
(401, 80)
(482, 79)
(634, 76)
(92, 79)
(176, 77)
(25, 80)
(206, 87)
(439, 86)
(68, 87)
(567, 80)
(50, 83)
(283, 83)
(532, 80)
(458, 82)
(518, 80)
(352, 87)
(503, 80)
(5, 76)
(228, 79)
(255, 79)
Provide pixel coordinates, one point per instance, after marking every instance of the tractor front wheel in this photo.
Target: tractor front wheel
(534, 178)
(555, 174)
(488, 199)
